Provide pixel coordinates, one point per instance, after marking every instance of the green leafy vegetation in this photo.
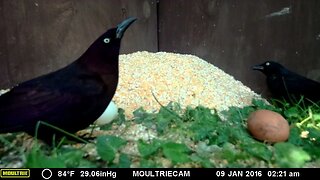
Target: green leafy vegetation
(176, 137)
(290, 156)
(108, 146)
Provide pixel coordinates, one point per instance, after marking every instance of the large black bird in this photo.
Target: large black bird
(287, 84)
(70, 98)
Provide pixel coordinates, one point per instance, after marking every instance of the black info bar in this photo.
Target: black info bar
(157, 173)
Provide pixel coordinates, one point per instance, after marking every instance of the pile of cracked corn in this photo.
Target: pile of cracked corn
(185, 79)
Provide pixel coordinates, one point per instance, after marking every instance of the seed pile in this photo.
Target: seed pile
(185, 79)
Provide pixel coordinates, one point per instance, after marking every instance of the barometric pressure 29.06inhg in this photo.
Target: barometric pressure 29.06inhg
(87, 173)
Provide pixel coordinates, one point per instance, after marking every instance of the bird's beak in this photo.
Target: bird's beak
(258, 67)
(122, 27)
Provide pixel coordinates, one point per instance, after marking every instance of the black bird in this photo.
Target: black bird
(70, 98)
(287, 84)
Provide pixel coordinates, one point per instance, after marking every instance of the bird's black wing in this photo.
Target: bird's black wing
(300, 85)
(23, 106)
(42, 99)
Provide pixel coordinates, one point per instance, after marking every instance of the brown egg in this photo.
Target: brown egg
(268, 126)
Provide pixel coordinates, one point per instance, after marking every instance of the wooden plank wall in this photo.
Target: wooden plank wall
(234, 35)
(39, 36)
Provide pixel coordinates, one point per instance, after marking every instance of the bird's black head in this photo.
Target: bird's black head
(270, 68)
(108, 44)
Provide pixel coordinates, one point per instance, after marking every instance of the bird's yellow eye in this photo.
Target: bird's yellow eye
(267, 63)
(106, 40)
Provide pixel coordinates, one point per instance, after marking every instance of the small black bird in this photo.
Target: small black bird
(70, 98)
(287, 84)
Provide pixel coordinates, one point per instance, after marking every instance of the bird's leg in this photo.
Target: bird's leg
(285, 87)
(61, 141)
(60, 130)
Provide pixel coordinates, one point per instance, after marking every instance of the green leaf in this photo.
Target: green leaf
(164, 118)
(231, 154)
(292, 113)
(258, 150)
(294, 136)
(105, 151)
(243, 113)
(239, 134)
(199, 113)
(141, 116)
(261, 104)
(205, 162)
(312, 143)
(147, 163)
(237, 116)
(106, 127)
(37, 159)
(220, 136)
(202, 130)
(124, 161)
(177, 153)
(72, 157)
(121, 116)
(203, 153)
(147, 149)
(202, 122)
(315, 134)
(107, 146)
(316, 117)
(228, 153)
(288, 155)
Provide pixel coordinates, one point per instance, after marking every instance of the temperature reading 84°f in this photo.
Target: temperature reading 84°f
(65, 173)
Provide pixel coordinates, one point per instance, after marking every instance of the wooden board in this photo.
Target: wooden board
(234, 35)
(40, 36)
